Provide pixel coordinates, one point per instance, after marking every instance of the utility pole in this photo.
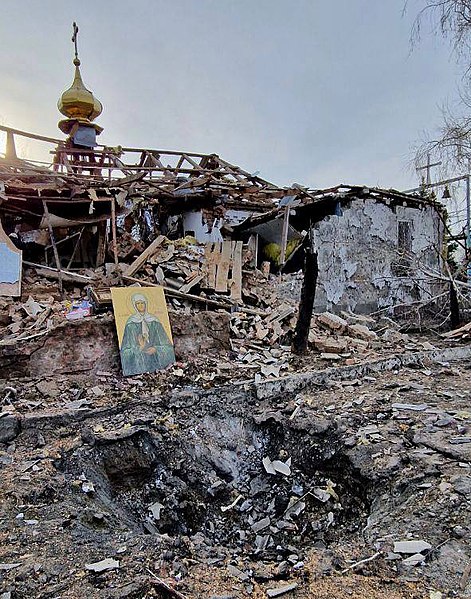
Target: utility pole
(466, 178)
(427, 167)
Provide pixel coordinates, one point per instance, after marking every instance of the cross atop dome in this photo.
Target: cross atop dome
(80, 107)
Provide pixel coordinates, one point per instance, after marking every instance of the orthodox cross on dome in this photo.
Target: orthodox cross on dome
(80, 106)
(74, 38)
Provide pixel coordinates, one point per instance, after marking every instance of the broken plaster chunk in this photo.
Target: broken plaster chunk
(330, 357)
(287, 588)
(261, 524)
(271, 370)
(32, 308)
(233, 571)
(281, 467)
(97, 391)
(413, 560)
(155, 510)
(411, 546)
(261, 542)
(332, 321)
(277, 466)
(102, 566)
(359, 330)
(267, 464)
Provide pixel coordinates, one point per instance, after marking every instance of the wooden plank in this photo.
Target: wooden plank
(76, 246)
(191, 283)
(211, 253)
(147, 253)
(205, 264)
(457, 332)
(101, 246)
(223, 267)
(176, 293)
(253, 248)
(114, 236)
(284, 236)
(53, 273)
(236, 282)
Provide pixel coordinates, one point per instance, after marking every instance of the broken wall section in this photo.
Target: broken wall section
(376, 255)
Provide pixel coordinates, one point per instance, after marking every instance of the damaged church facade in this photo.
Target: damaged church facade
(376, 248)
(379, 253)
(95, 205)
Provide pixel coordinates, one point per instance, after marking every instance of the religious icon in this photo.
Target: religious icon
(144, 335)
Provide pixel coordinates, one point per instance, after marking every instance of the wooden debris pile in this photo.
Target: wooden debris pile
(264, 330)
(461, 334)
(20, 321)
(185, 264)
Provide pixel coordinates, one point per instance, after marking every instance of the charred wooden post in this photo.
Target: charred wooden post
(454, 307)
(308, 292)
(101, 245)
(114, 236)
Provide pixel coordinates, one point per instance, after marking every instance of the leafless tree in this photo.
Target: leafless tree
(451, 19)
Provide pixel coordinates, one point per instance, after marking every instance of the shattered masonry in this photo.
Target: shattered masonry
(243, 470)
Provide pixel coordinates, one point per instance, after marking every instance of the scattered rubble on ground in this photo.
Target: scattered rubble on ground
(244, 469)
(115, 484)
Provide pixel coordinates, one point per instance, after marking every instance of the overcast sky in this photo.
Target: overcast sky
(317, 92)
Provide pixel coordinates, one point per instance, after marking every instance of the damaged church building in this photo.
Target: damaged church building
(161, 433)
(376, 248)
(94, 205)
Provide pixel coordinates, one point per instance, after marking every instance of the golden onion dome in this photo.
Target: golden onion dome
(78, 102)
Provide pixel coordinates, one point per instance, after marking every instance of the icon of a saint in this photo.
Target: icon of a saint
(145, 346)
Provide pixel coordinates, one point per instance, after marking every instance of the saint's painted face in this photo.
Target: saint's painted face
(140, 306)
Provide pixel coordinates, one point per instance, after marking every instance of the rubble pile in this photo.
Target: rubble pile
(241, 468)
(217, 493)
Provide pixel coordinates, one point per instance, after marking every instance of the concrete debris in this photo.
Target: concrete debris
(368, 409)
(361, 331)
(88, 487)
(461, 484)
(155, 509)
(411, 546)
(9, 427)
(102, 566)
(261, 524)
(279, 591)
(408, 406)
(233, 571)
(413, 560)
(295, 507)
